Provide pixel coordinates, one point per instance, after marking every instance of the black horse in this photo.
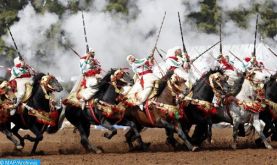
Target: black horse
(39, 101)
(95, 113)
(267, 115)
(201, 90)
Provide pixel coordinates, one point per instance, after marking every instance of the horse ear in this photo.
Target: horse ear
(48, 74)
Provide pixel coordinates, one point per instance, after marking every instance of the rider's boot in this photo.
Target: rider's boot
(141, 107)
(18, 101)
(83, 103)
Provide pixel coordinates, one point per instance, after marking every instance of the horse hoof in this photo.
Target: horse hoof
(145, 146)
(18, 147)
(106, 135)
(98, 151)
(234, 146)
(269, 147)
(194, 148)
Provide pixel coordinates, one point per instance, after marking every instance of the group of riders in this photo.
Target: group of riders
(137, 93)
(144, 77)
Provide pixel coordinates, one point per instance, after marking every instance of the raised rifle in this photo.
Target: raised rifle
(220, 39)
(256, 31)
(181, 30)
(75, 52)
(85, 32)
(14, 43)
(204, 52)
(158, 36)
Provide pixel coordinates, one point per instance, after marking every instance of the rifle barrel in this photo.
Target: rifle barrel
(256, 31)
(204, 52)
(85, 32)
(14, 43)
(158, 36)
(181, 30)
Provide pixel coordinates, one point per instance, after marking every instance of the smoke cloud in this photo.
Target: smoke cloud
(114, 36)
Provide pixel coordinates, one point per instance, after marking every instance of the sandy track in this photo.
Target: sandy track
(65, 148)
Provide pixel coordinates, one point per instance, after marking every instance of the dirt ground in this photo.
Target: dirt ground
(64, 148)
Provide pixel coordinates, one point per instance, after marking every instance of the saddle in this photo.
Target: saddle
(132, 101)
(28, 92)
(253, 106)
(72, 100)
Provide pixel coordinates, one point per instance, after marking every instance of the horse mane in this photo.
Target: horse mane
(273, 76)
(207, 74)
(104, 82)
(36, 81)
(163, 81)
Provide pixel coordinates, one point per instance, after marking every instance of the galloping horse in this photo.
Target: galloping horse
(39, 111)
(245, 106)
(199, 111)
(162, 109)
(103, 110)
(269, 115)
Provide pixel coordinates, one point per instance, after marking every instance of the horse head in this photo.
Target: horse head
(271, 87)
(257, 76)
(121, 78)
(50, 84)
(6, 92)
(177, 85)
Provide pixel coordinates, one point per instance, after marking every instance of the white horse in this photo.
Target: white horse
(247, 99)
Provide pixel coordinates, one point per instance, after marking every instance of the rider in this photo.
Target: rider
(21, 73)
(175, 58)
(180, 63)
(251, 63)
(229, 68)
(90, 69)
(144, 79)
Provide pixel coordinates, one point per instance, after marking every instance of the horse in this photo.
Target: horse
(246, 105)
(7, 98)
(39, 111)
(162, 109)
(103, 109)
(199, 106)
(269, 115)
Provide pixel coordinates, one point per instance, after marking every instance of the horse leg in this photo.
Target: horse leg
(170, 138)
(84, 140)
(179, 131)
(106, 124)
(134, 134)
(209, 131)
(235, 133)
(182, 135)
(15, 130)
(267, 133)
(9, 135)
(38, 138)
(128, 137)
(258, 127)
(274, 131)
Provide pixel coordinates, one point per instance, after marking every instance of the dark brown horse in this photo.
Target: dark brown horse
(162, 110)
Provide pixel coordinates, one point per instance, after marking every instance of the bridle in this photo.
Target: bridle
(48, 89)
(173, 87)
